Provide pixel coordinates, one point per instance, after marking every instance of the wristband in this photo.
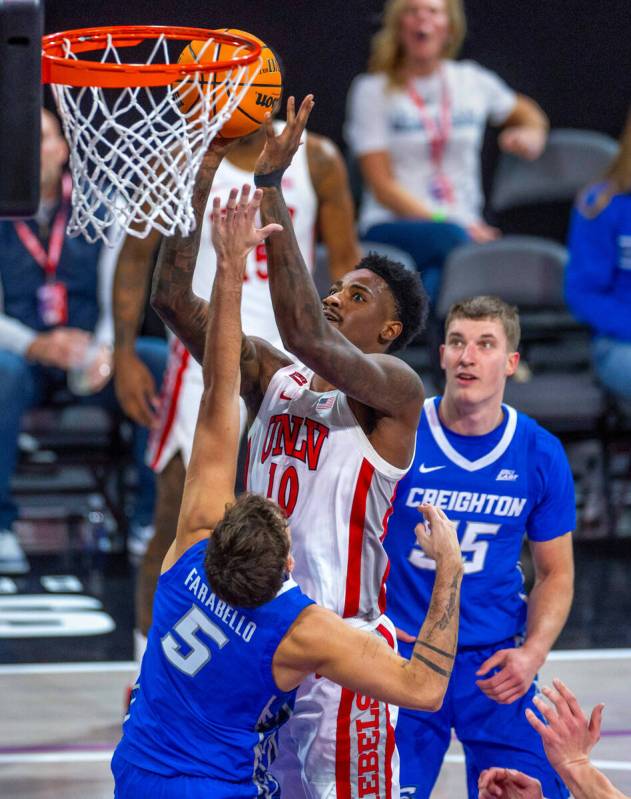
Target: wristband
(272, 180)
(435, 216)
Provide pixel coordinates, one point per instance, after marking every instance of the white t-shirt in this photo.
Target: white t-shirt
(382, 118)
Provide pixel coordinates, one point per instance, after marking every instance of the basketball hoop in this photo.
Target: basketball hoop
(134, 154)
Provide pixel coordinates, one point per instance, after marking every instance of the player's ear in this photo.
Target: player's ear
(390, 331)
(512, 362)
(441, 354)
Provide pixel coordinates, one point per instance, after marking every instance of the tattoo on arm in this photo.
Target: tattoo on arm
(452, 605)
(172, 293)
(435, 649)
(433, 666)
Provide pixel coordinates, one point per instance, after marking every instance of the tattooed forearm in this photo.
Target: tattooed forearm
(438, 651)
(172, 294)
(448, 612)
(433, 666)
(296, 302)
(439, 633)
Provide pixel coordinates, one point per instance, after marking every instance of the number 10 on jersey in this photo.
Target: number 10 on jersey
(283, 489)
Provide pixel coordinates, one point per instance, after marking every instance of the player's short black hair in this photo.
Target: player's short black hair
(410, 298)
(247, 552)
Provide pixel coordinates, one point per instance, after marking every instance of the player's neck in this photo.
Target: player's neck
(468, 419)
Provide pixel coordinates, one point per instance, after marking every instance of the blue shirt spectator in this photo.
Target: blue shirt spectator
(598, 275)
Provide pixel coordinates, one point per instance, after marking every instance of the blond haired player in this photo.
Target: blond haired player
(331, 437)
(319, 197)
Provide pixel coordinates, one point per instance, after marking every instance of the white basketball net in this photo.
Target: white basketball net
(134, 154)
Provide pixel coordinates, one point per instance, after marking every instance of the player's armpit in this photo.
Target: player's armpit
(259, 362)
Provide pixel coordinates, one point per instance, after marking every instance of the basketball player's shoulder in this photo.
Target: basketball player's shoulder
(324, 159)
(406, 378)
(314, 624)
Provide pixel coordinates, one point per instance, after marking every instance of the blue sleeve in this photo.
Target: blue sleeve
(589, 276)
(554, 512)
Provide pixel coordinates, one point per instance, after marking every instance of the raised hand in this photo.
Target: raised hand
(568, 737)
(437, 536)
(280, 149)
(234, 231)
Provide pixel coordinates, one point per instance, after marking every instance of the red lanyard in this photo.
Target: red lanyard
(438, 132)
(49, 260)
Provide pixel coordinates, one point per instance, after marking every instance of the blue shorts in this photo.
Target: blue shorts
(491, 734)
(133, 782)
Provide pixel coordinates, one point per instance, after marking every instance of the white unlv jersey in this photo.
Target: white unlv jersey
(183, 384)
(308, 453)
(256, 308)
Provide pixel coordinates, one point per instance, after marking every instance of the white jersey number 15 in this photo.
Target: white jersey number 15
(473, 551)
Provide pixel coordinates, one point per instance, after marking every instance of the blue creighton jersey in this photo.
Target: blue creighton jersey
(498, 487)
(207, 704)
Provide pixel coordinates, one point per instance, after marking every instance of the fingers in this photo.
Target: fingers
(273, 227)
(595, 722)
(291, 110)
(549, 714)
(231, 206)
(403, 636)
(535, 722)
(496, 659)
(268, 126)
(570, 700)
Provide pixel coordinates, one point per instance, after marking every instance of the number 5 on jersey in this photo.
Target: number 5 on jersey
(191, 623)
(469, 546)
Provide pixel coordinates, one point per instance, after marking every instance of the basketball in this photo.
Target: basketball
(262, 96)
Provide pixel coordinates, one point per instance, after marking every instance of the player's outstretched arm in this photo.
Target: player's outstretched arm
(211, 473)
(568, 737)
(380, 382)
(320, 641)
(172, 294)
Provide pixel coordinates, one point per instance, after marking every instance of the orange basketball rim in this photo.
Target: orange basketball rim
(61, 66)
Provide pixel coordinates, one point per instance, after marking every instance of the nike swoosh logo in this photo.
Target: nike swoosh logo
(284, 396)
(427, 469)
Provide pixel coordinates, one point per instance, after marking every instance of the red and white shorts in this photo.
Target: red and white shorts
(180, 396)
(339, 744)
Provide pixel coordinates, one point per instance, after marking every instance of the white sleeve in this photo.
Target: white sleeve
(499, 98)
(366, 126)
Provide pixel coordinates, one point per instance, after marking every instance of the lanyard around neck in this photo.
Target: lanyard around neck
(49, 260)
(438, 131)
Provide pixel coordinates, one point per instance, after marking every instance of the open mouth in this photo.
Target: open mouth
(464, 377)
(331, 316)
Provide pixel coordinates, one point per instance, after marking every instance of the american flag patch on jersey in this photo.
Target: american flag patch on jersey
(324, 403)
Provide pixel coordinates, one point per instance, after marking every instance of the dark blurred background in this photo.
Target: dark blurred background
(572, 56)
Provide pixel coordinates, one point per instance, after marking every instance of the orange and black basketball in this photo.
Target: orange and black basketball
(262, 96)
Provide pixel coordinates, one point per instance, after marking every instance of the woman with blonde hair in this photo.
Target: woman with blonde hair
(416, 124)
(598, 275)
